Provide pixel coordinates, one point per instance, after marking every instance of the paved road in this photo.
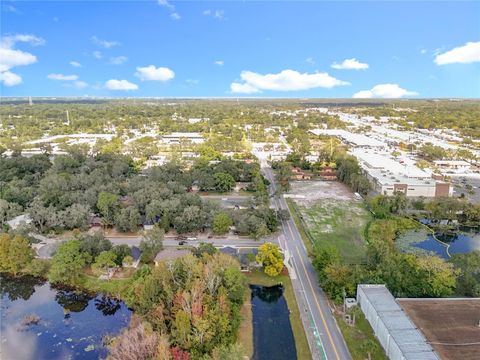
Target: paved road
(325, 338)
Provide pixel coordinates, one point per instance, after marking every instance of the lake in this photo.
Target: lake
(272, 331)
(463, 241)
(39, 321)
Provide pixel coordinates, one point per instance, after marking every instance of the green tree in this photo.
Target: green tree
(121, 251)
(128, 219)
(468, 280)
(204, 248)
(151, 244)
(15, 253)
(271, 258)
(107, 203)
(323, 256)
(68, 262)
(223, 182)
(181, 329)
(105, 260)
(221, 223)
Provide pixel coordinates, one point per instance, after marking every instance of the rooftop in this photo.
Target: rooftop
(402, 330)
(356, 139)
(450, 325)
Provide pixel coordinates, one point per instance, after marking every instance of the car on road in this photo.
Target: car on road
(182, 242)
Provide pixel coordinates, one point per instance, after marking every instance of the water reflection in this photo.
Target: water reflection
(272, 331)
(462, 242)
(72, 301)
(19, 290)
(72, 324)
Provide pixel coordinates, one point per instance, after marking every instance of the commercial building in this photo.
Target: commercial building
(177, 137)
(397, 334)
(357, 140)
(389, 176)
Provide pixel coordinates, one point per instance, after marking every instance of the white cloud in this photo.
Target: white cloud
(350, 64)
(80, 84)
(192, 81)
(310, 60)
(153, 73)
(385, 91)
(423, 51)
(115, 84)
(76, 84)
(465, 54)
(75, 64)
(10, 79)
(216, 14)
(62, 77)
(10, 40)
(10, 8)
(104, 43)
(166, 4)
(97, 54)
(118, 60)
(219, 62)
(173, 14)
(10, 57)
(244, 88)
(286, 80)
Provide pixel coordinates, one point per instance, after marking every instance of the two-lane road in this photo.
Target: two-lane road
(325, 338)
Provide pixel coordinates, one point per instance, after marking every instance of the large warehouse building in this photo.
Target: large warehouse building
(389, 176)
(397, 334)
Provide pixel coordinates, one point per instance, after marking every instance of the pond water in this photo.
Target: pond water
(463, 241)
(63, 324)
(272, 332)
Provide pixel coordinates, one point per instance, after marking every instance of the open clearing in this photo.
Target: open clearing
(332, 216)
(448, 321)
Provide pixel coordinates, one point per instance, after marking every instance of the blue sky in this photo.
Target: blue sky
(265, 49)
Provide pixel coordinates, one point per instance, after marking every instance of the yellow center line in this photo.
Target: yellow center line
(315, 297)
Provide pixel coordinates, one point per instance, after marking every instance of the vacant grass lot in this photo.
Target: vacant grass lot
(360, 339)
(340, 223)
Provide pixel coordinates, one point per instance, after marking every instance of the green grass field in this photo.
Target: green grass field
(336, 222)
(360, 339)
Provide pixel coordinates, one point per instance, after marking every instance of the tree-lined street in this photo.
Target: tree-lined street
(324, 336)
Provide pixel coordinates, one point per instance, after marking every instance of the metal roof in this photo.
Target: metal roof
(400, 327)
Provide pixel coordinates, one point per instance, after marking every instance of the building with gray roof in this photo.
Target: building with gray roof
(397, 334)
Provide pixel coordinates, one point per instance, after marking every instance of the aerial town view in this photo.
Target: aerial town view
(234, 180)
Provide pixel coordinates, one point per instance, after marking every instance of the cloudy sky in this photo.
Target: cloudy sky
(265, 49)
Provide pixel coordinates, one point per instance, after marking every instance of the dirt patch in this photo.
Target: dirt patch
(452, 322)
(317, 190)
